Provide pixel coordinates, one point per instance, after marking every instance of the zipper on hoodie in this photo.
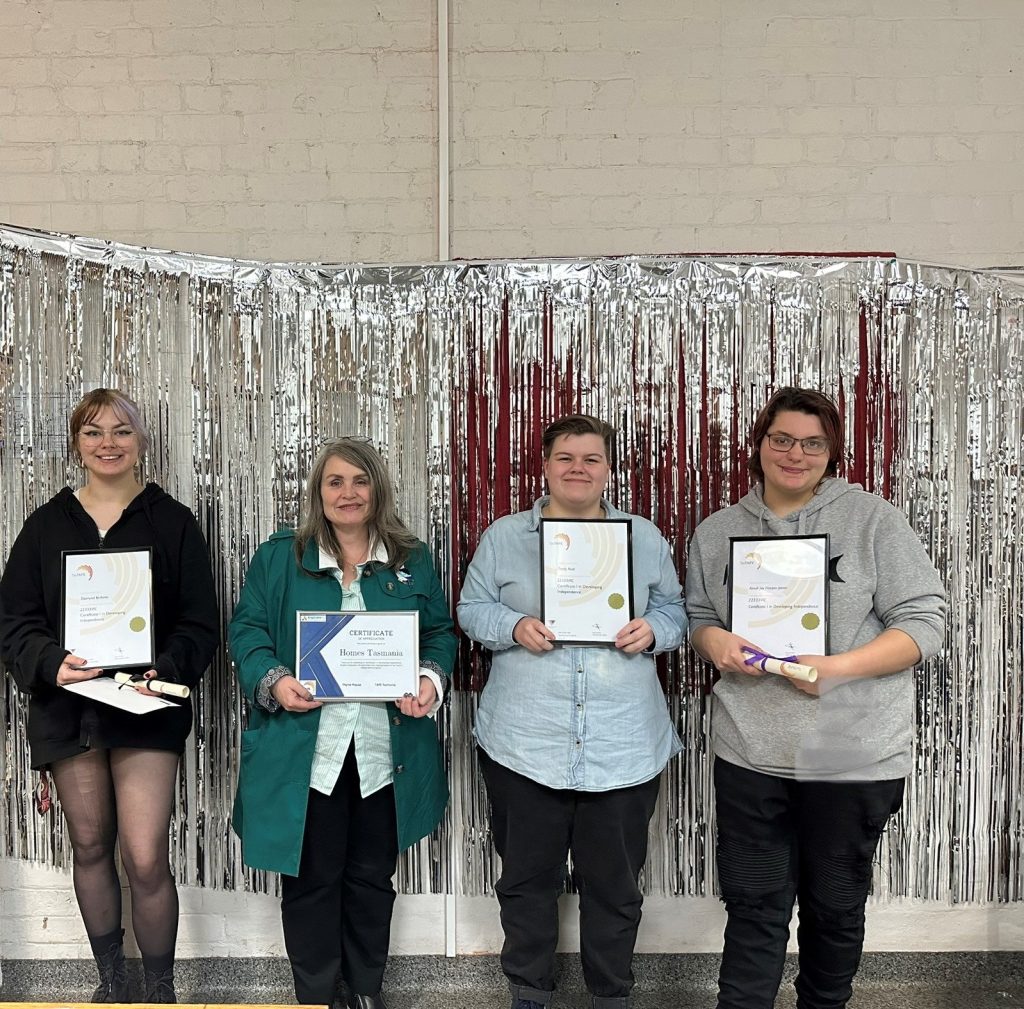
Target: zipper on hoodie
(102, 535)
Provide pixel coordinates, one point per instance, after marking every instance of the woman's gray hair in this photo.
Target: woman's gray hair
(385, 525)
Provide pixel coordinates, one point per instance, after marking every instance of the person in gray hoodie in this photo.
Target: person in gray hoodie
(807, 774)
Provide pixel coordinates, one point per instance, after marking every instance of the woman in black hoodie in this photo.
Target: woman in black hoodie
(114, 772)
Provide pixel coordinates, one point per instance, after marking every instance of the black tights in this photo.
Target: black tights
(125, 797)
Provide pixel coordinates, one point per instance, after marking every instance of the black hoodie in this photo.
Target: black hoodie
(186, 622)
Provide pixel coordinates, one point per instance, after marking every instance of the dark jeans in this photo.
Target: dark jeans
(337, 912)
(812, 841)
(534, 829)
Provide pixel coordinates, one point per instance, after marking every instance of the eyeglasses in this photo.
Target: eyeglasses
(810, 446)
(97, 434)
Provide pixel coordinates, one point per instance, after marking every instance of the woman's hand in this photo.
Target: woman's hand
(293, 696)
(725, 650)
(417, 707)
(149, 674)
(533, 636)
(71, 671)
(635, 636)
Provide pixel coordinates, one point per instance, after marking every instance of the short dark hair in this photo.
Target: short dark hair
(809, 401)
(578, 423)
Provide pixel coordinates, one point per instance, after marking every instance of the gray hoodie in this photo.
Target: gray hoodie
(861, 730)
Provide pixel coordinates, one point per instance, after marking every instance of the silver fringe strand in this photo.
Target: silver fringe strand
(243, 369)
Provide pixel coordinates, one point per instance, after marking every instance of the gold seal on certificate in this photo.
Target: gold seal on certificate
(778, 593)
(586, 591)
(107, 596)
(358, 655)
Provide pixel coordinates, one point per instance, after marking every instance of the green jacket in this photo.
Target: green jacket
(277, 749)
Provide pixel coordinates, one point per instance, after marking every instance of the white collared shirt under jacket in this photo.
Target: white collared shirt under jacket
(364, 725)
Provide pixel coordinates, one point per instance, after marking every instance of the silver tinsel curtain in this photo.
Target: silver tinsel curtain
(243, 369)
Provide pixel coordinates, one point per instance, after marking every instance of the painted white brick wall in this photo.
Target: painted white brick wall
(232, 127)
(676, 125)
(309, 130)
(41, 922)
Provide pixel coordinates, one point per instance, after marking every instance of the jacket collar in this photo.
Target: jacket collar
(315, 558)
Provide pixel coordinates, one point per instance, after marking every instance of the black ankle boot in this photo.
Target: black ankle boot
(113, 986)
(367, 1001)
(160, 986)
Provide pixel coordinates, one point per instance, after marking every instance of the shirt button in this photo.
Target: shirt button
(391, 586)
(396, 720)
(579, 742)
(400, 769)
(579, 707)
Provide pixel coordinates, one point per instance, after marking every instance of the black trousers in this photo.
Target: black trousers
(781, 840)
(337, 912)
(534, 829)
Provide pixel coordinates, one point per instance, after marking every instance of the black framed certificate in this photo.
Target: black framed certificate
(358, 655)
(586, 581)
(779, 591)
(107, 606)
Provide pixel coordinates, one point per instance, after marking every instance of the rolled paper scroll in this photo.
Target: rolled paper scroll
(157, 686)
(782, 667)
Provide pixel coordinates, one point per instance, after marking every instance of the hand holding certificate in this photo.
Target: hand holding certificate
(586, 579)
(356, 655)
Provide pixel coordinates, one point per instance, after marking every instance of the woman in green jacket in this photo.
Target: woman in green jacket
(329, 794)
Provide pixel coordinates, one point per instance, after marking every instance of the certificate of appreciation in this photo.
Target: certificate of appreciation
(358, 655)
(108, 606)
(586, 591)
(778, 593)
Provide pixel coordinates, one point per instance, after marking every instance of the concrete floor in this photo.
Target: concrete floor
(891, 997)
(886, 981)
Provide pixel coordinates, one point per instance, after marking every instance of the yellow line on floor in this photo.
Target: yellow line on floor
(141, 1005)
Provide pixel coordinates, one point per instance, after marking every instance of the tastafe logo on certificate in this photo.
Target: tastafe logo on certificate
(357, 655)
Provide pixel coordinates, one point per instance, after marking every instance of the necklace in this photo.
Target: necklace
(351, 567)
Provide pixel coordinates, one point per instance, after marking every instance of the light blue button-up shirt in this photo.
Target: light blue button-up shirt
(591, 718)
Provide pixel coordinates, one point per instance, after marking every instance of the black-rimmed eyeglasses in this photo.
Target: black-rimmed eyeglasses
(810, 446)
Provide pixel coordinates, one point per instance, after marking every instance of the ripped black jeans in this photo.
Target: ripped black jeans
(781, 840)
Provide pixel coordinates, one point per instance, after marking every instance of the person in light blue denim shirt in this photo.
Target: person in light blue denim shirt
(571, 739)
